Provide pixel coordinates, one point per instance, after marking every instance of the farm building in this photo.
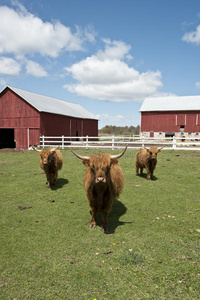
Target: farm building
(171, 116)
(25, 116)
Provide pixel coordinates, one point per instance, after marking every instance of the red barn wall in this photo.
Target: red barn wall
(57, 125)
(170, 121)
(18, 114)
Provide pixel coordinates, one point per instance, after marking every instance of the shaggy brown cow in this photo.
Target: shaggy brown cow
(146, 158)
(51, 162)
(103, 181)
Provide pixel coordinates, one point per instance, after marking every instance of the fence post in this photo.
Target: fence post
(174, 143)
(43, 141)
(143, 142)
(63, 142)
(86, 141)
(113, 142)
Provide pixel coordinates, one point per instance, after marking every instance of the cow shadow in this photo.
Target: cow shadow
(145, 176)
(60, 182)
(118, 210)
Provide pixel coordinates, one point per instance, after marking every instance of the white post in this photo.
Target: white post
(113, 142)
(143, 142)
(63, 141)
(43, 141)
(174, 142)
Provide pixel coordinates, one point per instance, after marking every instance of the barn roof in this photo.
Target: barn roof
(174, 103)
(52, 105)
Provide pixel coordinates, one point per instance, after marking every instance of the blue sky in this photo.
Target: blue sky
(105, 55)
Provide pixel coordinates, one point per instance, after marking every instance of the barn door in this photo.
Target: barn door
(34, 137)
(7, 139)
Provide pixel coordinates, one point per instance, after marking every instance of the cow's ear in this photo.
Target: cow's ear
(86, 162)
(113, 161)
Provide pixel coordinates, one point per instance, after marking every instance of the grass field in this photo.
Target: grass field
(47, 250)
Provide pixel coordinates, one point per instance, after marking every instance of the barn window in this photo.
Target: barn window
(197, 133)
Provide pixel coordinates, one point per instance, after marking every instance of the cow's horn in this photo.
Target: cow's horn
(54, 149)
(79, 156)
(118, 155)
(35, 149)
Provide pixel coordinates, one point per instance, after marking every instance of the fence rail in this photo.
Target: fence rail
(118, 142)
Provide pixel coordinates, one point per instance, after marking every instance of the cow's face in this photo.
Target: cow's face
(99, 166)
(152, 153)
(47, 156)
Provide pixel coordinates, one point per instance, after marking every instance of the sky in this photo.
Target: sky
(106, 55)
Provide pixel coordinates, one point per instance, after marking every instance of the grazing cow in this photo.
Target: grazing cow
(51, 162)
(146, 158)
(103, 181)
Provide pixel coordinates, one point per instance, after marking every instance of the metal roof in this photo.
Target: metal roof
(174, 103)
(52, 105)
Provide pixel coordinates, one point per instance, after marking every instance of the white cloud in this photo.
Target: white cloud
(193, 36)
(23, 33)
(34, 69)
(197, 84)
(9, 66)
(106, 76)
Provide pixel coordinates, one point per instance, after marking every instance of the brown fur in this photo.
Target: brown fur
(103, 182)
(146, 158)
(51, 162)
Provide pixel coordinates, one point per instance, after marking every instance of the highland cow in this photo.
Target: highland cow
(103, 182)
(51, 162)
(146, 158)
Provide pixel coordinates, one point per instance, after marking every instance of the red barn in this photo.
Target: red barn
(25, 116)
(171, 116)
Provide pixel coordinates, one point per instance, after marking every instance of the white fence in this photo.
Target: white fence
(117, 142)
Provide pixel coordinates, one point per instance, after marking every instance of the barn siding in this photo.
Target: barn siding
(170, 121)
(57, 125)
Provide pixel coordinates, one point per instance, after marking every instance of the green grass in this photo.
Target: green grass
(49, 252)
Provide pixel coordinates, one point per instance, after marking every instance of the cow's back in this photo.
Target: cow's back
(141, 157)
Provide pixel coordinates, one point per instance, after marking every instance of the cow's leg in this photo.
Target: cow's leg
(141, 171)
(93, 222)
(54, 177)
(104, 225)
(148, 172)
(48, 181)
(137, 169)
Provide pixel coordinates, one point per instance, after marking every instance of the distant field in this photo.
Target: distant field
(47, 250)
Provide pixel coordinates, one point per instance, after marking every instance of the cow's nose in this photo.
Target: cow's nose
(100, 179)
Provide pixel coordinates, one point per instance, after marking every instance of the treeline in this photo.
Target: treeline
(118, 130)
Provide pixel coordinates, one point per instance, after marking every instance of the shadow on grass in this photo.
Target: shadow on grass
(59, 183)
(145, 176)
(118, 210)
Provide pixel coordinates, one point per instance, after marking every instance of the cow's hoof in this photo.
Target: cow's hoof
(104, 229)
(92, 226)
